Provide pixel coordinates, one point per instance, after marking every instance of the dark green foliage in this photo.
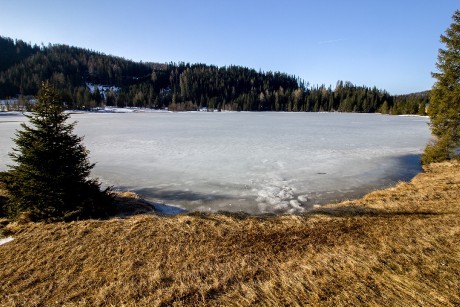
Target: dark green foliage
(13, 52)
(409, 104)
(436, 151)
(50, 177)
(66, 67)
(184, 87)
(3, 199)
(444, 108)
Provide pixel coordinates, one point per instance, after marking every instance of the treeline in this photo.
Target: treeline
(13, 52)
(180, 86)
(66, 67)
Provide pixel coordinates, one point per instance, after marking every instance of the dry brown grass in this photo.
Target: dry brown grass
(395, 247)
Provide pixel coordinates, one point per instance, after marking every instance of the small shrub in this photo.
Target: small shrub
(436, 151)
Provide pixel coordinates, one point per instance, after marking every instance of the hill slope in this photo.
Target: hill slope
(180, 86)
(399, 246)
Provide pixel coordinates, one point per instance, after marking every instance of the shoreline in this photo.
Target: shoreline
(120, 110)
(303, 201)
(316, 200)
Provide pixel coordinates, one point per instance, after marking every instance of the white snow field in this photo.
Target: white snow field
(252, 162)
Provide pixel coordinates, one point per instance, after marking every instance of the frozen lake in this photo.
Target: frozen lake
(252, 162)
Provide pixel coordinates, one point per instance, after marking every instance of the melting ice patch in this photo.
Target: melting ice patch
(276, 194)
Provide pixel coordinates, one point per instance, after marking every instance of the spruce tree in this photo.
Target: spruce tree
(50, 177)
(444, 108)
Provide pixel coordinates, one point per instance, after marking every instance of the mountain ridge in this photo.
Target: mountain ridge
(181, 86)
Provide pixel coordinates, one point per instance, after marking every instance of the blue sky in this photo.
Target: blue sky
(391, 44)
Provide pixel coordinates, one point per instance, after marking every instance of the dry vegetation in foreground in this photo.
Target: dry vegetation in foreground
(395, 247)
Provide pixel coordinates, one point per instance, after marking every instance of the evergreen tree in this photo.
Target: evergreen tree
(50, 177)
(444, 108)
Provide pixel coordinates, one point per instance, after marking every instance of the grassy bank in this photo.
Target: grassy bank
(399, 246)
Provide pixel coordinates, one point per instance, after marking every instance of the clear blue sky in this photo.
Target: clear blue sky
(391, 44)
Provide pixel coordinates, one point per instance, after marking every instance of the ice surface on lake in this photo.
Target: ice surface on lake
(252, 162)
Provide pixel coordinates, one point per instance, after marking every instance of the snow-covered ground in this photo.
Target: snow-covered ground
(11, 113)
(252, 162)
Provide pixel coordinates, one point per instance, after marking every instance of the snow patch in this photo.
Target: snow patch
(103, 89)
(10, 113)
(6, 240)
(302, 198)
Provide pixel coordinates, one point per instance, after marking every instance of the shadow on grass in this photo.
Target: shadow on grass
(335, 213)
(364, 212)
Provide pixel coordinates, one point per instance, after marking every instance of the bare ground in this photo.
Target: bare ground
(394, 247)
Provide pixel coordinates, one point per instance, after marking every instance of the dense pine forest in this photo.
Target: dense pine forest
(87, 79)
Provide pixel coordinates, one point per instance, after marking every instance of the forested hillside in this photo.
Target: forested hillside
(75, 72)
